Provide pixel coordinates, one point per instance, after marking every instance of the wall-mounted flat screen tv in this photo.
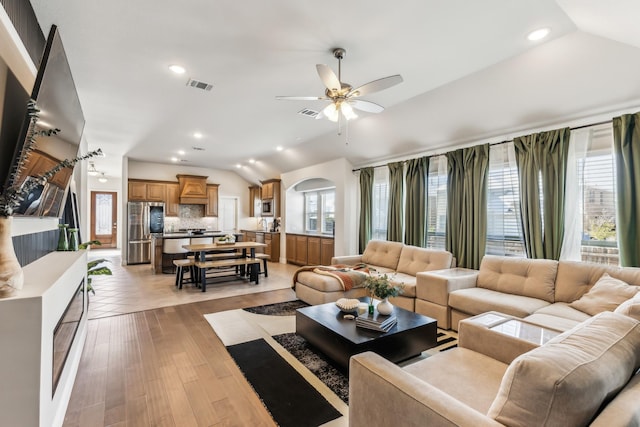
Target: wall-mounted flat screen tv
(55, 94)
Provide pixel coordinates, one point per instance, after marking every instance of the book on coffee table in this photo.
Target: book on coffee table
(376, 322)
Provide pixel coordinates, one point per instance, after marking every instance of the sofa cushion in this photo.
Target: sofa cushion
(469, 376)
(606, 295)
(562, 309)
(382, 253)
(414, 260)
(319, 282)
(533, 278)
(407, 281)
(479, 300)
(565, 381)
(575, 278)
(630, 307)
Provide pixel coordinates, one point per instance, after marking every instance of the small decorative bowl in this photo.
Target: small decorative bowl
(348, 305)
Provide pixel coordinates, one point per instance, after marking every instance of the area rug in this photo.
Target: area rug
(296, 383)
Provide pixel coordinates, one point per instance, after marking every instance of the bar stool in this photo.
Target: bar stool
(173, 248)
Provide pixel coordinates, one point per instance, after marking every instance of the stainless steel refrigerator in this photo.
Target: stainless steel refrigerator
(145, 219)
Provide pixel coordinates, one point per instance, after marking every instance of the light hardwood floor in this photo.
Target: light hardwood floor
(166, 367)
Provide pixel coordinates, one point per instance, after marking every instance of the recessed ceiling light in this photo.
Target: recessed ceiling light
(279, 148)
(238, 165)
(538, 34)
(174, 159)
(252, 161)
(178, 69)
(197, 135)
(181, 152)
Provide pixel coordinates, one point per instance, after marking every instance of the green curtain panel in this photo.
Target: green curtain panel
(396, 196)
(366, 207)
(542, 157)
(416, 206)
(626, 148)
(466, 236)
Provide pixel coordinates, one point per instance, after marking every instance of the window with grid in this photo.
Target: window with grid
(504, 234)
(380, 203)
(437, 202)
(596, 174)
(319, 211)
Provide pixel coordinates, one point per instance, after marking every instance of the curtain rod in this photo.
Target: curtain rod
(498, 143)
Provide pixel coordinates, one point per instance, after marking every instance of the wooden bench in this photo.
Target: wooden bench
(252, 263)
(219, 255)
(180, 265)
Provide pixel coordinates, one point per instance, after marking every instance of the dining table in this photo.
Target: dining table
(200, 252)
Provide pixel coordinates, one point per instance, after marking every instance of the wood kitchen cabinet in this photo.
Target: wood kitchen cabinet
(172, 206)
(272, 240)
(255, 199)
(212, 200)
(290, 240)
(271, 191)
(147, 191)
(303, 249)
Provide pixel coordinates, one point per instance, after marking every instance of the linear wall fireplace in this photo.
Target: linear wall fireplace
(65, 332)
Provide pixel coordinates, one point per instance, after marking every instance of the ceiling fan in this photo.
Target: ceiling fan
(344, 98)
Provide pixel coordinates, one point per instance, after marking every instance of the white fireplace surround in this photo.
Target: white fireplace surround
(27, 322)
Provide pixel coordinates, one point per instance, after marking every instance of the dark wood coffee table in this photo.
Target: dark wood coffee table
(338, 338)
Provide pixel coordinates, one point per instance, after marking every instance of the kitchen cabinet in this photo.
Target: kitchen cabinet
(172, 206)
(267, 190)
(326, 251)
(255, 201)
(272, 240)
(304, 249)
(290, 240)
(211, 208)
(147, 191)
(271, 191)
(313, 250)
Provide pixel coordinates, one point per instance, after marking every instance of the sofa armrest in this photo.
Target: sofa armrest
(346, 259)
(382, 394)
(478, 336)
(435, 286)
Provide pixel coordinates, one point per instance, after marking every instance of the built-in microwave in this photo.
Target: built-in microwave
(267, 207)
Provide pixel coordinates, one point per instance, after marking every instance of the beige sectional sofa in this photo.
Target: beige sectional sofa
(545, 292)
(584, 376)
(401, 262)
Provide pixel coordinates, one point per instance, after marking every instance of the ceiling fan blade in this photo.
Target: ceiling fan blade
(376, 85)
(328, 77)
(300, 98)
(368, 106)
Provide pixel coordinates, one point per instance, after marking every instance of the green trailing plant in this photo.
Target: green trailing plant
(12, 194)
(93, 267)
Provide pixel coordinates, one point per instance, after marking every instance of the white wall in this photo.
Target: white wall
(340, 173)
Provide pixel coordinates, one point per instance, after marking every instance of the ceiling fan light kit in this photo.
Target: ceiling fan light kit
(342, 96)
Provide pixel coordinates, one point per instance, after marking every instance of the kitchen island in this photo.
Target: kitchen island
(159, 260)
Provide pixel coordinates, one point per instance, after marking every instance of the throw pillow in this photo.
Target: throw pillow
(630, 307)
(607, 294)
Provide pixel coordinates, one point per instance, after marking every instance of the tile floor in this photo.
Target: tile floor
(136, 288)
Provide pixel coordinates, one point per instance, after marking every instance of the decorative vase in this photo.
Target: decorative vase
(73, 239)
(63, 239)
(11, 276)
(385, 307)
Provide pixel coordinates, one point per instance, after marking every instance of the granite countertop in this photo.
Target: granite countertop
(261, 231)
(182, 235)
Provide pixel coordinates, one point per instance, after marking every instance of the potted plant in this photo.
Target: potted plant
(93, 267)
(14, 192)
(379, 285)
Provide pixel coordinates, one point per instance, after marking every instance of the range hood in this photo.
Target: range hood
(193, 189)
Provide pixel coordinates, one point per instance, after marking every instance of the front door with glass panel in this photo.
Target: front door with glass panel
(103, 218)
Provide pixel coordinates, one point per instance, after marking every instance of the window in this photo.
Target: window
(504, 234)
(437, 202)
(319, 205)
(596, 175)
(380, 203)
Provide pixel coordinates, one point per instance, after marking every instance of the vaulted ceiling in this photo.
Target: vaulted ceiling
(469, 74)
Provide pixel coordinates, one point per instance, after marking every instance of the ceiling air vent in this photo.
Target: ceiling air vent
(309, 113)
(199, 85)
(197, 148)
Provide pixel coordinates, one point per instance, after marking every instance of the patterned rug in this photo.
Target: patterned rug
(275, 324)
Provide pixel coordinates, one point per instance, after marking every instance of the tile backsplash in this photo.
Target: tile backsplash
(173, 223)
